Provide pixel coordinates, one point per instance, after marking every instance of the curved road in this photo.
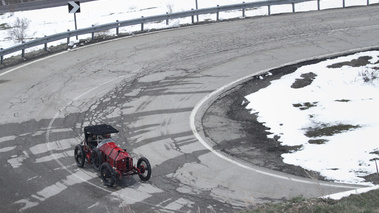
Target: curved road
(147, 86)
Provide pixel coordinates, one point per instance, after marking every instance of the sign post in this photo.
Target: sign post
(74, 7)
(197, 7)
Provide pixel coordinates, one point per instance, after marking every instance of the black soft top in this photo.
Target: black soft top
(101, 129)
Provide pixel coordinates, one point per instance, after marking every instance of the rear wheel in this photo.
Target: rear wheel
(79, 156)
(107, 174)
(145, 169)
(96, 159)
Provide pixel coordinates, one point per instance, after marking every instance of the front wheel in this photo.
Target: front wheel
(79, 156)
(107, 174)
(145, 169)
(96, 159)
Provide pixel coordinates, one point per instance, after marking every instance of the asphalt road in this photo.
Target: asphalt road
(152, 88)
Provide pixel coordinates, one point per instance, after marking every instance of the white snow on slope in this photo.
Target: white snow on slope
(338, 99)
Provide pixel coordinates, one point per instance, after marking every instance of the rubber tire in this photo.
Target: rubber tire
(96, 159)
(145, 176)
(107, 174)
(79, 156)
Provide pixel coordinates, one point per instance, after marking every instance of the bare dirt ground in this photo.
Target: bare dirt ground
(236, 132)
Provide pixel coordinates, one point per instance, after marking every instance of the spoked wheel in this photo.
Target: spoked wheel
(79, 156)
(96, 159)
(107, 174)
(145, 169)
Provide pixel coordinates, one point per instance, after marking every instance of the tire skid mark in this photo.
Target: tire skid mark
(83, 176)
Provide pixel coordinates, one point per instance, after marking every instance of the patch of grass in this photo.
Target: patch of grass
(305, 106)
(369, 75)
(305, 80)
(343, 100)
(325, 130)
(361, 61)
(4, 26)
(318, 141)
(366, 202)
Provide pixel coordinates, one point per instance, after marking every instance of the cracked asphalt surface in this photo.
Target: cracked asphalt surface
(147, 86)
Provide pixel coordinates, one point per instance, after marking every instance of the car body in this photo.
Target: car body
(101, 151)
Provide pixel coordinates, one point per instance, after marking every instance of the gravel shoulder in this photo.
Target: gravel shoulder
(234, 131)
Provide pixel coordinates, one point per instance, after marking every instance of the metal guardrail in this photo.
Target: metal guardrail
(116, 25)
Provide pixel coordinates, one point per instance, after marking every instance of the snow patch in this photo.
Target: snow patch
(332, 117)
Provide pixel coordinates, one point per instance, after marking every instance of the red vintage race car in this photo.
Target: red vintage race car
(101, 151)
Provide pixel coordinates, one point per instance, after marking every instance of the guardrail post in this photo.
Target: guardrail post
(117, 28)
(293, 7)
(2, 57)
(218, 13)
(318, 4)
(193, 18)
(243, 10)
(68, 38)
(368, 2)
(45, 48)
(93, 33)
(167, 18)
(23, 50)
(142, 24)
(343, 3)
(269, 9)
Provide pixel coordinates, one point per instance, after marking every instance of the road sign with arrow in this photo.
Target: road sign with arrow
(74, 6)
